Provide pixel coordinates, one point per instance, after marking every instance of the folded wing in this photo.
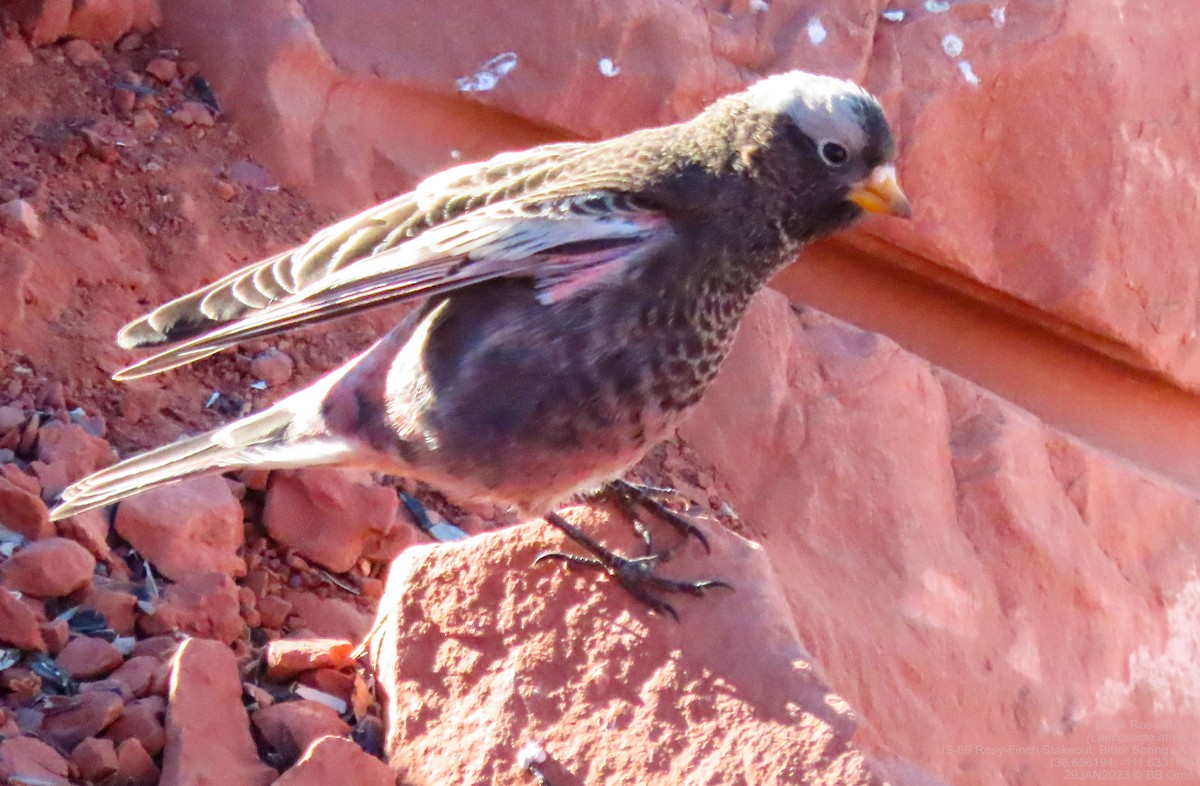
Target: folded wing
(562, 245)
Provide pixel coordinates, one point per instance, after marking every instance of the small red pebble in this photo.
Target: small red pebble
(56, 635)
(161, 647)
(291, 726)
(273, 367)
(142, 721)
(337, 760)
(90, 714)
(134, 765)
(26, 760)
(274, 611)
(49, 568)
(226, 190)
(136, 673)
(18, 624)
(86, 658)
(145, 121)
(81, 53)
(336, 683)
(193, 113)
(162, 69)
(95, 759)
(288, 657)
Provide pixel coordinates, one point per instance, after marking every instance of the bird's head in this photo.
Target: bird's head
(836, 134)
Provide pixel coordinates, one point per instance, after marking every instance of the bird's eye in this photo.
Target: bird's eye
(833, 153)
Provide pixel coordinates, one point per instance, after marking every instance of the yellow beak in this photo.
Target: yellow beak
(880, 193)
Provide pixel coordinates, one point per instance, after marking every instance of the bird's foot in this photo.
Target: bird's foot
(635, 574)
(635, 497)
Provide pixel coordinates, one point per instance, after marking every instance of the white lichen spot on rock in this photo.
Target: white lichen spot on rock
(952, 45)
(968, 72)
(608, 67)
(759, 6)
(816, 31)
(489, 75)
(455, 154)
(531, 753)
(998, 16)
(937, 6)
(893, 15)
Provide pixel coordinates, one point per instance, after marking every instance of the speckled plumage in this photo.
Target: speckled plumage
(577, 301)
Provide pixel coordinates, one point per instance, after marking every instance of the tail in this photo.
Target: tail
(261, 440)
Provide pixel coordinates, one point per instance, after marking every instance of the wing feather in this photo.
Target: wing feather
(559, 245)
(442, 197)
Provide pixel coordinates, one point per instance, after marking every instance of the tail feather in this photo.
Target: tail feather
(258, 441)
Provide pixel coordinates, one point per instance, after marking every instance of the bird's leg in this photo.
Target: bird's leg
(635, 574)
(634, 496)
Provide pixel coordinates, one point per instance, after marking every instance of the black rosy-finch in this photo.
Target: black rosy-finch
(575, 301)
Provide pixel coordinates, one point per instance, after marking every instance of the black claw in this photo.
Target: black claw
(634, 495)
(635, 574)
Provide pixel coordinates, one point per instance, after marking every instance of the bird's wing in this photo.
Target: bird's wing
(440, 198)
(562, 245)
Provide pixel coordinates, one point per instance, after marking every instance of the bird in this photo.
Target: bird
(573, 302)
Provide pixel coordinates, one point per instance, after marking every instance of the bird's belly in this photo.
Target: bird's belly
(504, 399)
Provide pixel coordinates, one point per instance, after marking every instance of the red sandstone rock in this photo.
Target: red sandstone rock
(44, 22)
(337, 760)
(160, 680)
(86, 658)
(18, 624)
(87, 715)
(193, 113)
(337, 684)
(90, 530)
(291, 726)
(273, 367)
(957, 159)
(208, 733)
(94, 759)
(51, 478)
(107, 686)
(136, 672)
(157, 647)
(24, 759)
(14, 52)
(286, 658)
(49, 568)
(24, 512)
(535, 634)
(134, 765)
(143, 721)
(56, 634)
(327, 618)
(189, 527)
(327, 513)
(71, 445)
(119, 608)
(162, 69)
(273, 611)
(22, 480)
(23, 687)
(81, 53)
(201, 604)
(103, 22)
(1022, 555)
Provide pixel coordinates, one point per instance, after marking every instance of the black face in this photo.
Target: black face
(822, 172)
